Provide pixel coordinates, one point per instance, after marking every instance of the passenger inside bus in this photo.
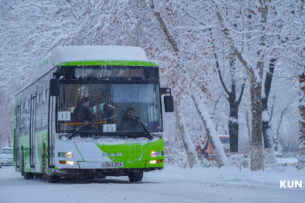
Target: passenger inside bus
(107, 114)
(129, 123)
(82, 112)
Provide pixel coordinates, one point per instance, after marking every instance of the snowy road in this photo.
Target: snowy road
(169, 185)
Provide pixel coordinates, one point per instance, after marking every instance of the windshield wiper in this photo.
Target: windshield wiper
(147, 134)
(79, 129)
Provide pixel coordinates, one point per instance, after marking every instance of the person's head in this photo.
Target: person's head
(130, 111)
(107, 108)
(85, 102)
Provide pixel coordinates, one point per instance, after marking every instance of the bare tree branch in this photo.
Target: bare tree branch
(241, 93)
(226, 33)
(220, 76)
(269, 76)
(164, 28)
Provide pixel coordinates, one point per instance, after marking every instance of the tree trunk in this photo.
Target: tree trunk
(257, 156)
(248, 127)
(276, 137)
(233, 127)
(233, 124)
(192, 157)
(266, 117)
(301, 158)
(267, 134)
(221, 158)
(257, 152)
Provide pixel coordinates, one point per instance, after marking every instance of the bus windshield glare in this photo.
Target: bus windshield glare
(108, 108)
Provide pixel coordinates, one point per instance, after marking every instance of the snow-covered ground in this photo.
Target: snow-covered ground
(169, 185)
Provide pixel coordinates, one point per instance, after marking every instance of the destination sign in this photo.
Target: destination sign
(113, 72)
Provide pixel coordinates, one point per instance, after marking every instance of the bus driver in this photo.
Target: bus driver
(82, 112)
(129, 123)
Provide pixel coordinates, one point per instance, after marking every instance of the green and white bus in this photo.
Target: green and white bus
(91, 111)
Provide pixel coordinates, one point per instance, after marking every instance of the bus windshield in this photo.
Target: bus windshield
(108, 108)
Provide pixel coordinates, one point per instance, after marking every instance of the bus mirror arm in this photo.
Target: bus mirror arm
(165, 90)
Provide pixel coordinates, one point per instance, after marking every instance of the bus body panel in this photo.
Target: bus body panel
(91, 155)
(38, 90)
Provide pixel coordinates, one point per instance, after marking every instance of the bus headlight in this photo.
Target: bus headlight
(156, 154)
(65, 154)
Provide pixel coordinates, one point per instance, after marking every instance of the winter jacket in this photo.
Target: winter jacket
(82, 114)
(129, 124)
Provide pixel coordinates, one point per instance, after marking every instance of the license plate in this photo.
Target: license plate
(112, 164)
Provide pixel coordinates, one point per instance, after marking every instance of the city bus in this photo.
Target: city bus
(91, 112)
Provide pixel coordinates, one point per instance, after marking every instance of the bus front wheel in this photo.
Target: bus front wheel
(135, 176)
(28, 176)
(52, 178)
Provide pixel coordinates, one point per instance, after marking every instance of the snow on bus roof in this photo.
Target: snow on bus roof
(94, 53)
(88, 53)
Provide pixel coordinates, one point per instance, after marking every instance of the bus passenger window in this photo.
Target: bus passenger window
(46, 94)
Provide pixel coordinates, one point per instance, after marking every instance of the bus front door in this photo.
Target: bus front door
(51, 131)
(17, 136)
(32, 131)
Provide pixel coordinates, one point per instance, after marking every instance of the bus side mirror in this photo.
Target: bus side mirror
(169, 103)
(168, 99)
(54, 87)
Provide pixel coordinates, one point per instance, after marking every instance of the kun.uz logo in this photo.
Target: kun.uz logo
(291, 184)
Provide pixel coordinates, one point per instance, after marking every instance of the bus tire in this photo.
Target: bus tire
(135, 176)
(52, 178)
(44, 163)
(28, 176)
(22, 163)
